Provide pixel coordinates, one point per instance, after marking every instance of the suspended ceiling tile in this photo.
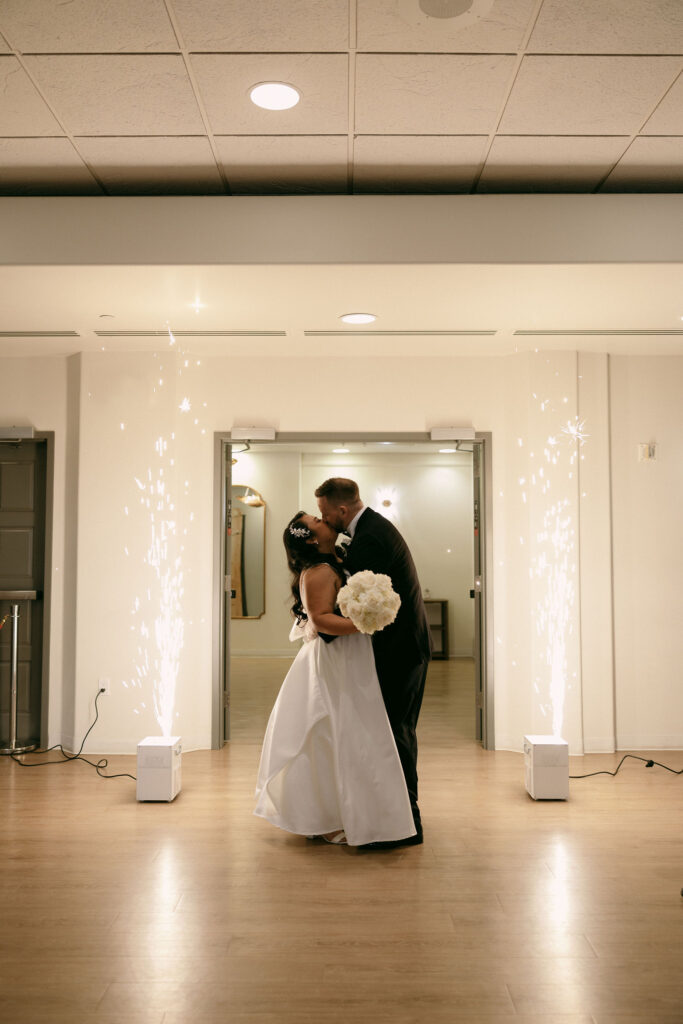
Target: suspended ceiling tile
(586, 95)
(87, 26)
(22, 110)
(260, 26)
(668, 117)
(610, 26)
(272, 165)
(153, 166)
(417, 163)
(429, 94)
(48, 167)
(403, 26)
(108, 94)
(549, 164)
(649, 165)
(225, 80)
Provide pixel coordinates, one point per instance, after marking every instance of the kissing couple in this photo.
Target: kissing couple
(339, 758)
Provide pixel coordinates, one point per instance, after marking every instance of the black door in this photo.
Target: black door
(22, 568)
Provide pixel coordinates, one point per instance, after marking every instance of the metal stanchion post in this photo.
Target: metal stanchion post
(14, 658)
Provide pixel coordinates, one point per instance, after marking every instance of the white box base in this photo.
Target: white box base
(158, 768)
(546, 767)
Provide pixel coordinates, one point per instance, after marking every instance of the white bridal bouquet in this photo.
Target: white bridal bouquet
(369, 600)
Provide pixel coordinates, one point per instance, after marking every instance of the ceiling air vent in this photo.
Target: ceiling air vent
(350, 332)
(595, 333)
(191, 334)
(39, 334)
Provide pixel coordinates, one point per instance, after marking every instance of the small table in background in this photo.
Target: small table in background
(437, 617)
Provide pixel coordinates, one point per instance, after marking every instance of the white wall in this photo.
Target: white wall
(647, 499)
(122, 591)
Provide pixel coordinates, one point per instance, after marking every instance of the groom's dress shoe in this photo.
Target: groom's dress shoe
(393, 844)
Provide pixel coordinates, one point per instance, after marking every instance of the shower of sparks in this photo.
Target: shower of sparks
(575, 431)
(157, 622)
(553, 564)
(161, 667)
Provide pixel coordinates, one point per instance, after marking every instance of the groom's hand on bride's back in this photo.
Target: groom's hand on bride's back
(327, 637)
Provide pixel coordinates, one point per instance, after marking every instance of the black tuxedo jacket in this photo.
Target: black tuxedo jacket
(377, 545)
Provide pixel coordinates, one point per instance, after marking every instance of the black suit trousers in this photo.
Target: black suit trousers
(403, 690)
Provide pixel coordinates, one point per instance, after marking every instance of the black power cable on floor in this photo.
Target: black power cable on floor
(97, 765)
(648, 764)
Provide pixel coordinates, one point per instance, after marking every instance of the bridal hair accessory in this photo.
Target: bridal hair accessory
(369, 600)
(300, 531)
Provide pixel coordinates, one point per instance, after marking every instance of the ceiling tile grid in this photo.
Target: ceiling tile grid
(586, 95)
(131, 165)
(649, 165)
(550, 164)
(304, 164)
(87, 26)
(30, 166)
(107, 94)
(402, 96)
(429, 93)
(261, 26)
(441, 164)
(402, 26)
(23, 111)
(608, 26)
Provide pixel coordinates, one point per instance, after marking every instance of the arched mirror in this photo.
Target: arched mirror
(248, 561)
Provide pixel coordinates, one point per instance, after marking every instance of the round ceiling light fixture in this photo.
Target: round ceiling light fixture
(445, 8)
(358, 318)
(274, 95)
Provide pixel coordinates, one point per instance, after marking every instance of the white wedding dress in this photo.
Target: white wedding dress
(329, 760)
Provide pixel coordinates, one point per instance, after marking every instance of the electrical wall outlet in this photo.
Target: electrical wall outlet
(104, 686)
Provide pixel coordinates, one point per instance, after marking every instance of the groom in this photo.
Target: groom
(402, 650)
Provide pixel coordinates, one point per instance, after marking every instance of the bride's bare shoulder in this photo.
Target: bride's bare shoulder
(317, 571)
(319, 575)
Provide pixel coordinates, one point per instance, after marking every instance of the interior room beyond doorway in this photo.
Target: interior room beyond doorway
(428, 494)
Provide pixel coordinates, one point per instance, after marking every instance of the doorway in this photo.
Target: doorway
(25, 480)
(297, 463)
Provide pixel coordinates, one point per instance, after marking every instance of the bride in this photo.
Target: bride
(329, 765)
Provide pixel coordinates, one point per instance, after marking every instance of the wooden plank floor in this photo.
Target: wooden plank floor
(513, 912)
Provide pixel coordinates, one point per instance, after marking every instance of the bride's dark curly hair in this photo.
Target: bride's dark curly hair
(300, 555)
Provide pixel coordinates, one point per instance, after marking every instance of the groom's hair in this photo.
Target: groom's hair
(339, 491)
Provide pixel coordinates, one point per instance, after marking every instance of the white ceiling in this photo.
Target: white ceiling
(121, 97)
(425, 310)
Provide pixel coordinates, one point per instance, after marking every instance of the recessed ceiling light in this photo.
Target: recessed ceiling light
(447, 451)
(358, 318)
(274, 95)
(341, 451)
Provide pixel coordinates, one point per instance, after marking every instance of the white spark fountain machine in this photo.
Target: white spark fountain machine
(546, 767)
(158, 772)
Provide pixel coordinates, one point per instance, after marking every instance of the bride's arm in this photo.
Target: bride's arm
(319, 587)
